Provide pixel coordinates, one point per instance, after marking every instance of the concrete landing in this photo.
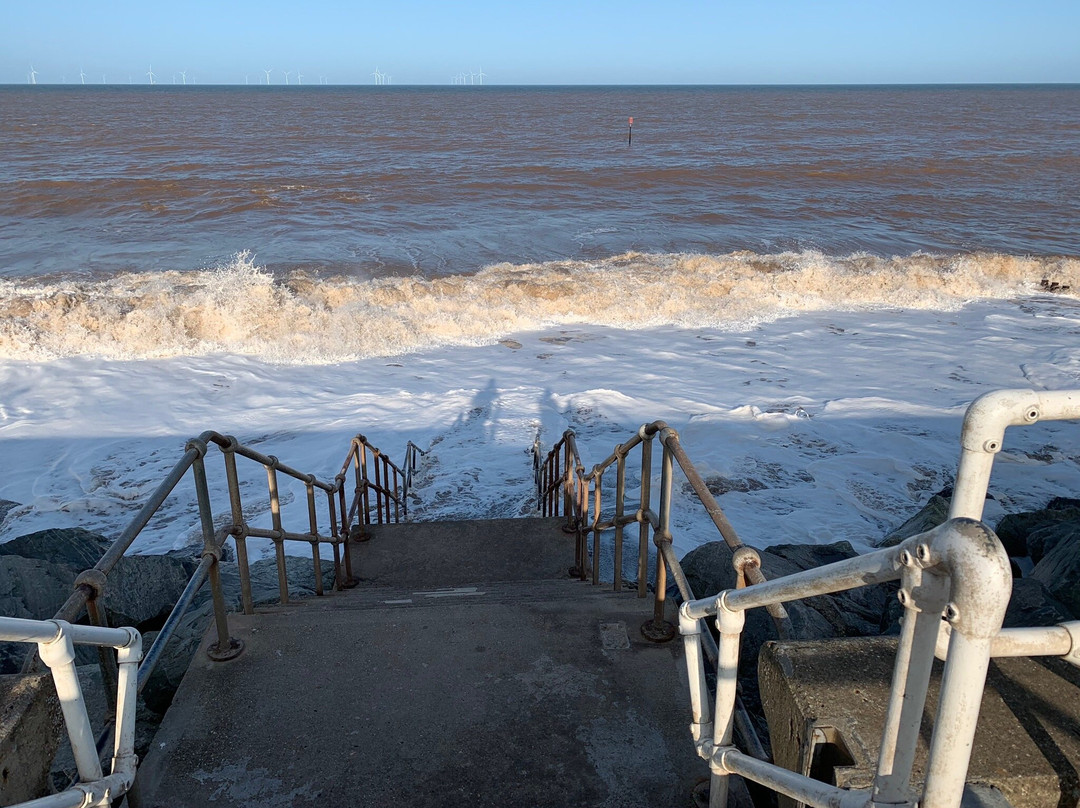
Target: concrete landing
(478, 676)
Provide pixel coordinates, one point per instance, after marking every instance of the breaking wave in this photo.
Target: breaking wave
(242, 309)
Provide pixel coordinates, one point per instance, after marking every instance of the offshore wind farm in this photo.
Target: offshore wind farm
(180, 77)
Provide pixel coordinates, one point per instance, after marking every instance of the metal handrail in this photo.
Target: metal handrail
(562, 469)
(56, 641)
(957, 571)
(384, 494)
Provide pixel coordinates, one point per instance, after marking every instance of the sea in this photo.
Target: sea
(809, 283)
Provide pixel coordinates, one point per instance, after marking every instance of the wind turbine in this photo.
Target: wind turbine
(299, 78)
(481, 75)
(183, 75)
(82, 76)
(267, 72)
(33, 75)
(378, 76)
(287, 74)
(150, 73)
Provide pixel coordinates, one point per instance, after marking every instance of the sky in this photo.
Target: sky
(554, 42)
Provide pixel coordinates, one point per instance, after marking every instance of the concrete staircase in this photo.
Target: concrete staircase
(466, 669)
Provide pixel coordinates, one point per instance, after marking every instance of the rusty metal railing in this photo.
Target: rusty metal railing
(379, 495)
(564, 488)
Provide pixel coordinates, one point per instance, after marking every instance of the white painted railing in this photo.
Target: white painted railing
(955, 587)
(56, 641)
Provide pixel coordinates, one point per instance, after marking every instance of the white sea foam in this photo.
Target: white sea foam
(823, 426)
(241, 309)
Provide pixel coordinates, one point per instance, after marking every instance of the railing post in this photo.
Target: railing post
(279, 542)
(226, 646)
(378, 485)
(924, 596)
(239, 526)
(313, 524)
(106, 659)
(658, 629)
(335, 537)
(362, 493)
(730, 625)
(620, 498)
(386, 484)
(568, 490)
(643, 513)
(598, 477)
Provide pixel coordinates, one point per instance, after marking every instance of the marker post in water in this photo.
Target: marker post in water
(630, 133)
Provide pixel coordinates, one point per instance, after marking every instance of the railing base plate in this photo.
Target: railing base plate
(658, 631)
(232, 650)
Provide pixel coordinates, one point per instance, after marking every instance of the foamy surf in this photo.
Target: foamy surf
(242, 309)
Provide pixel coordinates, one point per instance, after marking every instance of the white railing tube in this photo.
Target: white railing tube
(1062, 640)
(872, 568)
(983, 433)
(56, 641)
(797, 786)
(730, 624)
(691, 630)
(924, 596)
(59, 655)
(954, 725)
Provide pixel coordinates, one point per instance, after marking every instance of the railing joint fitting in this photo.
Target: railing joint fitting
(273, 462)
(198, 445)
(231, 444)
(93, 578)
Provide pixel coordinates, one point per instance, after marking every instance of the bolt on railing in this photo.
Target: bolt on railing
(381, 498)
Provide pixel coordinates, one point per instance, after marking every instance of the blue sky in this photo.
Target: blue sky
(554, 42)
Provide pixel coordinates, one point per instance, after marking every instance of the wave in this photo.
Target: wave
(301, 318)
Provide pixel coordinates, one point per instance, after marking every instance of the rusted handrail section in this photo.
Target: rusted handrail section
(378, 494)
(565, 489)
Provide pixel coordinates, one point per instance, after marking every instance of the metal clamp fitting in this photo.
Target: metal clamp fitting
(196, 444)
(93, 578)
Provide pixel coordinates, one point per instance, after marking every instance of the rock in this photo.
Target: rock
(1044, 539)
(1013, 530)
(35, 589)
(1059, 570)
(1063, 503)
(73, 546)
(5, 506)
(1032, 604)
(142, 590)
(933, 513)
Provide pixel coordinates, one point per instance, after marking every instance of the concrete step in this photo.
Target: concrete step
(455, 553)
(455, 688)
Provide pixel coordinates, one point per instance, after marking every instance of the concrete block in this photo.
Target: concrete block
(832, 695)
(30, 731)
